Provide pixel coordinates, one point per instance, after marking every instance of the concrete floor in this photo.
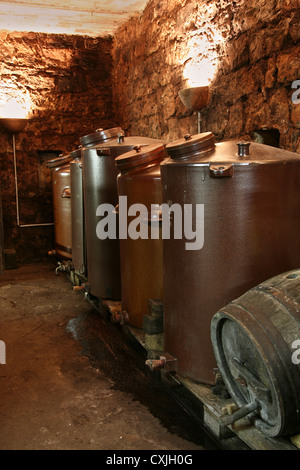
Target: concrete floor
(71, 382)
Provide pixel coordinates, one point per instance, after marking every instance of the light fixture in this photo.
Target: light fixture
(195, 98)
(14, 110)
(13, 125)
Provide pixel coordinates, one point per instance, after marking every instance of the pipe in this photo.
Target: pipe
(241, 413)
(17, 193)
(199, 122)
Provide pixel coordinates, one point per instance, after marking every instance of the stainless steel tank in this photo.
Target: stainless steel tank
(141, 258)
(251, 199)
(100, 187)
(60, 173)
(77, 210)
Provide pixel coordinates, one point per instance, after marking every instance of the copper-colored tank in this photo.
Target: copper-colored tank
(141, 259)
(251, 203)
(60, 170)
(100, 187)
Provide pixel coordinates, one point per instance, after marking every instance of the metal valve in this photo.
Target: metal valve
(240, 413)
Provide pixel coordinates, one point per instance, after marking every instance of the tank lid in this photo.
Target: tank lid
(141, 155)
(59, 161)
(191, 145)
(101, 135)
(76, 153)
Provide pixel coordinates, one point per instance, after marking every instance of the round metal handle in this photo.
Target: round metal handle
(243, 149)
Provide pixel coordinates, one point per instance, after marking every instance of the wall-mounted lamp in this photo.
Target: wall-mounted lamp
(196, 99)
(13, 125)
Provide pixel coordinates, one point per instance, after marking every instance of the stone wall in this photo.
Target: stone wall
(247, 50)
(68, 82)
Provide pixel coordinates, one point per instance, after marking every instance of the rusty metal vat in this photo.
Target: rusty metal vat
(78, 237)
(251, 199)
(60, 173)
(100, 187)
(141, 259)
(256, 340)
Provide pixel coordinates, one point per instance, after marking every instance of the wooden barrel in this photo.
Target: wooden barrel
(256, 341)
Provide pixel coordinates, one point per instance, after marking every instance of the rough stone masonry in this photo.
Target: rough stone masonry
(252, 48)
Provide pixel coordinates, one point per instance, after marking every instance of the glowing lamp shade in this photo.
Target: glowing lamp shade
(195, 98)
(13, 125)
(13, 114)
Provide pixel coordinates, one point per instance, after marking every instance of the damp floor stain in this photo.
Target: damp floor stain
(108, 351)
(72, 381)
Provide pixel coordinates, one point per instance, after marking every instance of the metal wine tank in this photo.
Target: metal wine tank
(251, 199)
(77, 210)
(139, 181)
(60, 173)
(100, 187)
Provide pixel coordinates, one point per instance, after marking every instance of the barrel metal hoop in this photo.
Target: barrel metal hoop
(267, 337)
(275, 337)
(292, 306)
(277, 342)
